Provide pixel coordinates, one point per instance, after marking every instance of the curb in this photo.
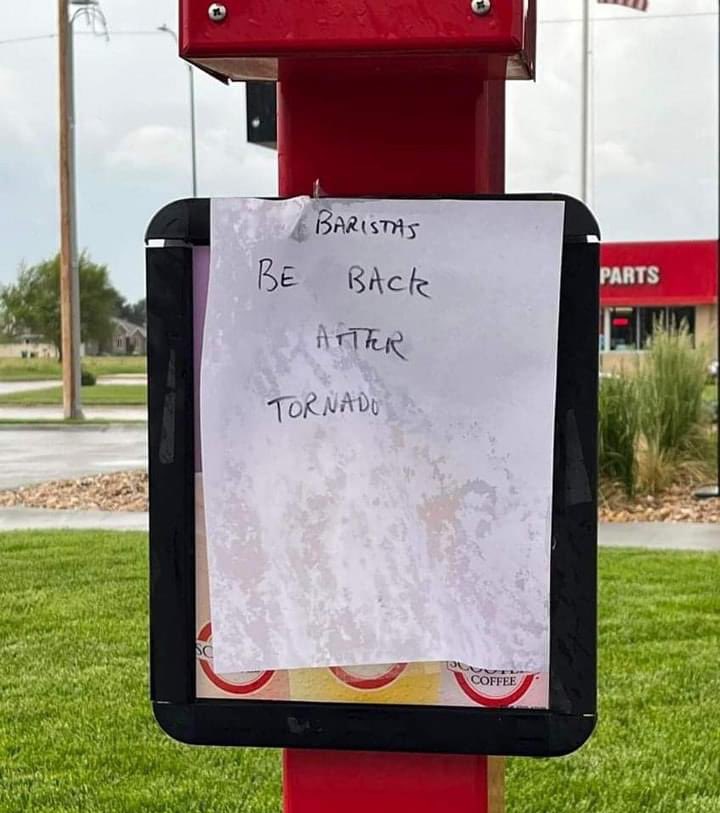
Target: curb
(59, 425)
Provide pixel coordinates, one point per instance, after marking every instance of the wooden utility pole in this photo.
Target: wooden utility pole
(69, 275)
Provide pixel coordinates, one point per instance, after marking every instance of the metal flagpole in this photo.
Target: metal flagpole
(193, 145)
(585, 103)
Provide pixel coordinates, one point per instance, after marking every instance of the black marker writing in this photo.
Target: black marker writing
(360, 338)
(291, 406)
(270, 281)
(328, 222)
(361, 280)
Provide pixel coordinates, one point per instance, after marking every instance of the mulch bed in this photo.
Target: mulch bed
(128, 491)
(676, 504)
(119, 491)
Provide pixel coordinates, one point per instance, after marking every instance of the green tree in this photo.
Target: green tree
(134, 313)
(139, 312)
(32, 304)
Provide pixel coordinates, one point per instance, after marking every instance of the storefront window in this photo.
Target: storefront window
(679, 317)
(666, 318)
(623, 328)
(626, 328)
(650, 320)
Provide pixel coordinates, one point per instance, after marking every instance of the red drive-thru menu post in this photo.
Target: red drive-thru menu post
(380, 99)
(414, 136)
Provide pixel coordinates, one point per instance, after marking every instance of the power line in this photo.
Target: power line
(129, 32)
(77, 33)
(29, 39)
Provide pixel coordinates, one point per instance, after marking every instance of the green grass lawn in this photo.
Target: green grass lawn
(14, 369)
(76, 729)
(657, 744)
(97, 395)
(77, 734)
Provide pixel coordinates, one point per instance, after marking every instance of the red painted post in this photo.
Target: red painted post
(390, 136)
(362, 134)
(365, 782)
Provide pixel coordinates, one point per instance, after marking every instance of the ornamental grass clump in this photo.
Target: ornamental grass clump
(618, 430)
(652, 425)
(670, 388)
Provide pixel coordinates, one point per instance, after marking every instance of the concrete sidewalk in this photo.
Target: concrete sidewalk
(648, 535)
(129, 379)
(25, 519)
(10, 387)
(55, 413)
(661, 535)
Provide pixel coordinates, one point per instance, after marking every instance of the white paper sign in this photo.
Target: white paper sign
(377, 406)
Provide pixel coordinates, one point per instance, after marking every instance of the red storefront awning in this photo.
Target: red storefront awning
(659, 274)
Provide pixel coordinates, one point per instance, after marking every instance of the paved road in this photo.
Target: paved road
(34, 455)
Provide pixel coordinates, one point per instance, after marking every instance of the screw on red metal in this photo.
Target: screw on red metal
(217, 12)
(480, 7)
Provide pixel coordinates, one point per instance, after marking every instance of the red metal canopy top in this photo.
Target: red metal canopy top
(659, 274)
(250, 39)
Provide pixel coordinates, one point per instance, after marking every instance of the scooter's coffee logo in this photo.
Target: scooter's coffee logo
(242, 683)
(368, 677)
(491, 687)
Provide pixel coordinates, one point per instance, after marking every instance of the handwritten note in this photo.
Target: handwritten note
(377, 407)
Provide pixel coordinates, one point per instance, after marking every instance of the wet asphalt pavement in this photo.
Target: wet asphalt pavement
(34, 455)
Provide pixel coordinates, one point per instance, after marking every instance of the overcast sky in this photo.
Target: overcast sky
(655, 127)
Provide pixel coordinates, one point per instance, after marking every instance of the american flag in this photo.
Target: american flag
(639, 5)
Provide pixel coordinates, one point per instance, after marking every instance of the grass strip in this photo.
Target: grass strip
(97, 395)
(18, 369)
